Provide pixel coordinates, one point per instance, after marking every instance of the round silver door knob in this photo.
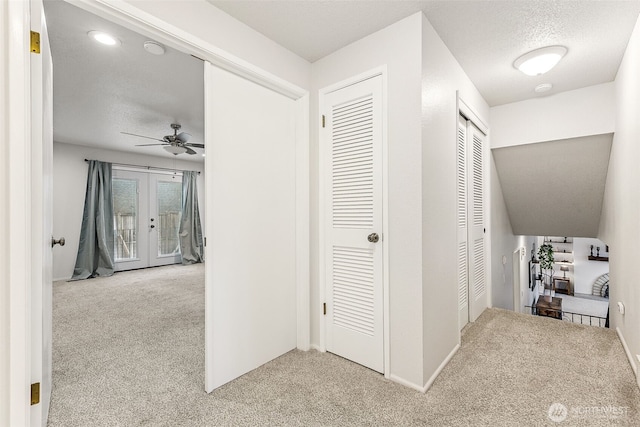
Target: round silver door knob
(60, 242)
(373, 237)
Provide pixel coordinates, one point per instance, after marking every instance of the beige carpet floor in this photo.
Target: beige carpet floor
(128, 351)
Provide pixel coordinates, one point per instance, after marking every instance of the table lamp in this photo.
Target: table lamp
(564, 270)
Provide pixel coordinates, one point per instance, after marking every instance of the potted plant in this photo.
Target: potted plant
(545, 258)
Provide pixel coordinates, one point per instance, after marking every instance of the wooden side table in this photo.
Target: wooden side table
(563, 285)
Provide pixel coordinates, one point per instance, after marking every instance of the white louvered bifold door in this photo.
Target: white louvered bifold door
(461, 213)
(476, 209)
(353, 181)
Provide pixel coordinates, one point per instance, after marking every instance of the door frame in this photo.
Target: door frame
(323, 160)
(16, 214)
(515, 258)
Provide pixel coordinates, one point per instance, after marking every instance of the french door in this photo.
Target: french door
(147, 210)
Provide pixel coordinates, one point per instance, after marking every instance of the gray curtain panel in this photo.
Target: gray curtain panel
(95, 251)
(190, 233)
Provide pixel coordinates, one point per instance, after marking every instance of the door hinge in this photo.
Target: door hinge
(35, 42)
(205, 241)
(35, 393)
(324, 308)
(323, 120)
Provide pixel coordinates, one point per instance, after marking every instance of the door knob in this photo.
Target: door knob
(373, 237)
(60, 242)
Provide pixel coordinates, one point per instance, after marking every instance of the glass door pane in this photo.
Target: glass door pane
(125, 210)
(165, 211)
(130, 215)
(169, 201)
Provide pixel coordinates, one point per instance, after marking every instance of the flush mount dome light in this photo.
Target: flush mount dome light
(104, 38)
(540, 61)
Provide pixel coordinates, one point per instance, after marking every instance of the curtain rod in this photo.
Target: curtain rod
(146, 167)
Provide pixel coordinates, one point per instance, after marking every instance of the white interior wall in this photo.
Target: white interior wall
(203, 20)
(580, 112)
(503, 243)
(585, 272)
(69, 186)
(619, 225)
(442, 76)
(397, 47)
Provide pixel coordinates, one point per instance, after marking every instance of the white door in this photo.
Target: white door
(472, 276)
(476, 217)
(250, 168)
(462, 224)
(147, 209)
(42, 208)
(352, 138)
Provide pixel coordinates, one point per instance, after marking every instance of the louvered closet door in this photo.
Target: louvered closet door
(477, 249)
(353, 140)
(463, 248)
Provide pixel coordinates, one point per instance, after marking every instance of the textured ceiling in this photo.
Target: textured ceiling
(484, 36)
(100, 91)
(555, 188)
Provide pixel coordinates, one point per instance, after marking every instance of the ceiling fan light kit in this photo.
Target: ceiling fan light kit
(175, 149)
(540, 61)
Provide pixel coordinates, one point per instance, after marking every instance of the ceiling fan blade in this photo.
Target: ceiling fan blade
(141, 136)
(147, 145)
(195, 144)
(183, 137)
(190, 151)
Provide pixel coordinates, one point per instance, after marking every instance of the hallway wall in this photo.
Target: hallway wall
(398, 47)
(581, 112)
(619, 225)
(442, 77)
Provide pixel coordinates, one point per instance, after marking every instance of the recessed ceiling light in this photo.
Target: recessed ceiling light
(544, 87)
(540, 61)
(104, 38)
(154, 48)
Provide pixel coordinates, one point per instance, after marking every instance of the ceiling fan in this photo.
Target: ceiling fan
(174, 144)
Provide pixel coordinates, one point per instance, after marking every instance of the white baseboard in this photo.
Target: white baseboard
(427, 386)
(423, 389)
(627, 351)
(317, 348)
(406, 383)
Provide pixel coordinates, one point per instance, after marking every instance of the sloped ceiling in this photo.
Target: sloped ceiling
(555, 188)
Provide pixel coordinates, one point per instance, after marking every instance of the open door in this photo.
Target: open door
(250, 172)
(42, 215)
